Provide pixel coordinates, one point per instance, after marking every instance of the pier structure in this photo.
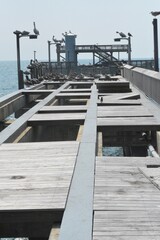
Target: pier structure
(58, 180)
(103, 52)
(106, 59)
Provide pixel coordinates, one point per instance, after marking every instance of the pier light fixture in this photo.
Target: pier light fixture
(58, 45)
(128, 38)
(49, 54)
(155, 39)
(20, 34)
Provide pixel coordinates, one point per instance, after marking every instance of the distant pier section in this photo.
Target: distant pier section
(105, 59)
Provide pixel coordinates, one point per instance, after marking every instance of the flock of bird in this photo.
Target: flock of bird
(124, 35)
(155, 14)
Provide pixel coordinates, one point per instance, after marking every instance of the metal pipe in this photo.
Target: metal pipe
(153, 151)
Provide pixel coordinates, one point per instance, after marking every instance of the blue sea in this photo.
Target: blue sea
(8, 76)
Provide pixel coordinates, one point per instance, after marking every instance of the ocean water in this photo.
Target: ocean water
(8, 76)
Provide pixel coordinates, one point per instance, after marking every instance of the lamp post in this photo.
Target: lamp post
(20, 34)
(124, 37)
(155, 39)
(49, 54)
(58, 46)
(34, 55)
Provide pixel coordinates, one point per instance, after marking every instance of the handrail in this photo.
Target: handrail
(101, 47)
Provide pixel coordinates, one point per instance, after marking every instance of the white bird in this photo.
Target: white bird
(155, 13)
(121, 34)
(35, 29)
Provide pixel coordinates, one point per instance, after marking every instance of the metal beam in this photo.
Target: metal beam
(11, 132)
(78, 216)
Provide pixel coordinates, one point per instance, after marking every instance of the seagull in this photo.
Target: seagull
(101, 99)
(35, 29)
(130, 35)
(121, 34)
(155, 13)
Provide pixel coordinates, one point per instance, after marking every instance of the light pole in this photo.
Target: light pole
(20, 34)
(49, 54)
(34, 55)
(155, 39)
(58, 46)
(124, 37)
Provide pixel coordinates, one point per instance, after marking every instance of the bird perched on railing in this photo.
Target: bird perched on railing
(130, 35)
(35, 29)
(155, 13)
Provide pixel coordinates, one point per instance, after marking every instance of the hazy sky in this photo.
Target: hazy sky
(93, 21)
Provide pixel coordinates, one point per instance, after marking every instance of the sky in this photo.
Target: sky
(93, 21)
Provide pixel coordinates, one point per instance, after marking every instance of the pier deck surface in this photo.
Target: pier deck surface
(52, 168)
(36, 176)
(126, 203)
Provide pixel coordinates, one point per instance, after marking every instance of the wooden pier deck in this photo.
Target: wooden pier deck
(56, 182)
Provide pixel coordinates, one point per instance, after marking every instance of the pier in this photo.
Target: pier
(56, 182)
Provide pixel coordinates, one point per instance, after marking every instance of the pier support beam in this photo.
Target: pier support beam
(77, 222)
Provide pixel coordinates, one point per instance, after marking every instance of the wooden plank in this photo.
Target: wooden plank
(123, 108)
(119, 102)
(73, 95)
(130, 123)
(57, 109)
(36, 91)
(80, 132)
(126, 203)
(122, 113)
(126, 224)
(100, 144)
(57, 118)
(80, 90)
(120, 96)
(126, 161)
(12, 106)
(67, 146)
(54, 234)
(25, 134)
(36, 175)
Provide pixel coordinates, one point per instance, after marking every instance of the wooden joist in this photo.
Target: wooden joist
(63, 109)
(56, 118)
(130, 123)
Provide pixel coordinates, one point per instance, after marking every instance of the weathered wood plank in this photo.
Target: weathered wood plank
(57, 118)
(36, 175)
(130, 123)
(63, 109)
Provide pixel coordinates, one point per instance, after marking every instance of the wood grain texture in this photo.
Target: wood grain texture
(36, 175)
(126, 203)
